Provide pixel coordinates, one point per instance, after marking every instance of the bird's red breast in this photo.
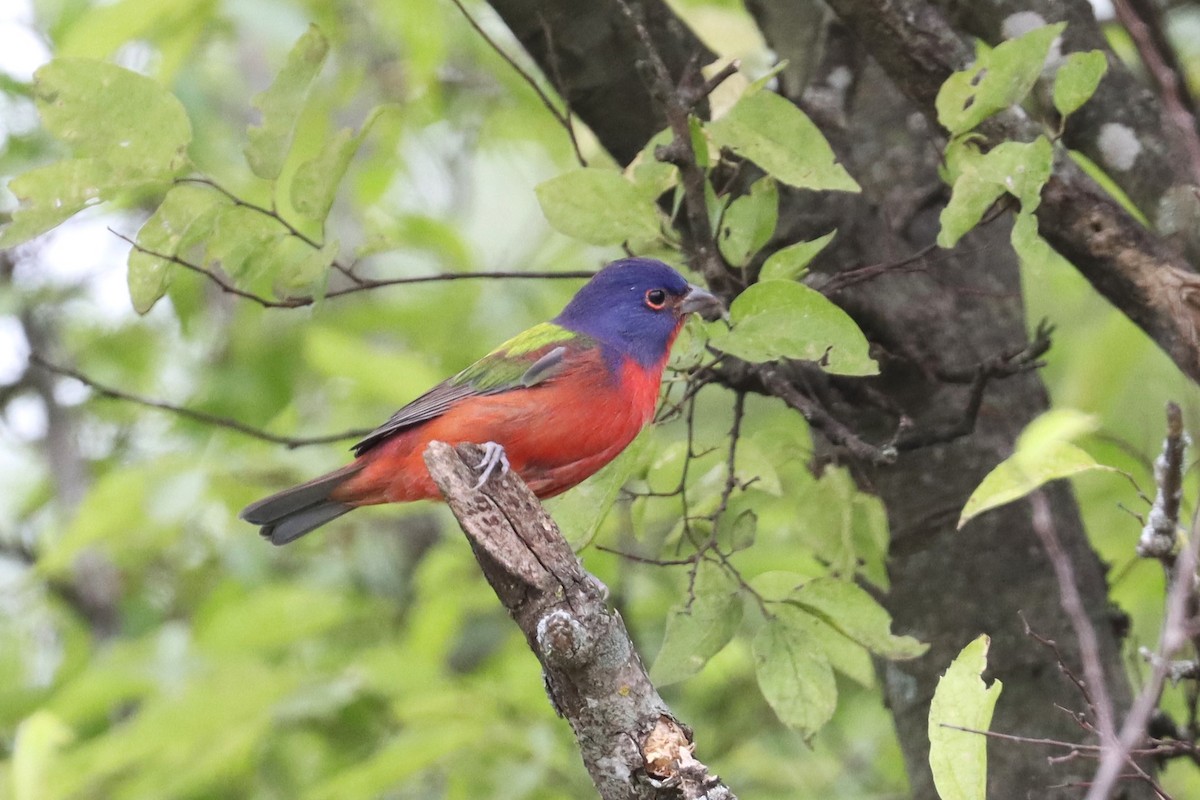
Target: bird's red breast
(555, 434)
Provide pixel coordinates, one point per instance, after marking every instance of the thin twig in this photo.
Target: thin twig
(1178, 624)
(833, 429)
(850, 277)
(1089, 648)
(271, 214)
(361, 285)
(557, 78)
(1063, 666)
(1172, 84)
(1174, 635)
(192, 414)
(699, 238)
(563, 119)
(266, 212)
(216, 278)
(1158, 534)
(1004, 365)
(368, 284)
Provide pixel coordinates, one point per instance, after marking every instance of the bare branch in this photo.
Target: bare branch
(1130, 266)
(1072, 603)
(1172, 84)
(834, 430)
(1158, 534)
(192, 414)
(1181, 605)
(216, 278)
(367, 284)
(1175, 633)
(677, 103)
(360, 285)
(631, 744)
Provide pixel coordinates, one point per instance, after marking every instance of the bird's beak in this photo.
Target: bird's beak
(706, 304)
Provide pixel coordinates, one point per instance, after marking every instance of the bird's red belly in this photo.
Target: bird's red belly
(555, 436)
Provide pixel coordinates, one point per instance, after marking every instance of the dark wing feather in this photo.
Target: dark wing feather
(500, 371)
(434, 403)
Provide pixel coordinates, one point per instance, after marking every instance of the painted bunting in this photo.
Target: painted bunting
(556, 403)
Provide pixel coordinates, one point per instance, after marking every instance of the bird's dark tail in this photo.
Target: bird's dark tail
(290, 514)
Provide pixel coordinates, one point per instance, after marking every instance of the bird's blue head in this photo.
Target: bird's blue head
(635, 307)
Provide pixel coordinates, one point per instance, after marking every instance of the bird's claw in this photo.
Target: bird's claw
(493, 456)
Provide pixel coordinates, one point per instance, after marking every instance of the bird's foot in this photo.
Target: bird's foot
(493, 456)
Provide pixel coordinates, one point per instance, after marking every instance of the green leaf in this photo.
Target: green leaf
(227, 706)
(268, 144)
(970, 199)
(334, 353)
(843, 654)
(54, 193)
(316, 181)
(238, 233)
(1043, 453)
(270, 618)
(39, 738)
(957, 758)
(111, 517)
(116, 677)
(129, 135)
(580, 511)
(1077, 79)
(749, 222)
(791, 262)
(104, 111)
(736, 533)
(774, 134)
(699, 629)
(998, 79)
(186, 215)
(401, 759)
(853, 612)
(653, 177)
(309, 270)
(793, 672)
(1028, 244)
(1019, 168)
(289, 263)
(598, 206)
(776, 319)
(1100, 176)
(699, 142)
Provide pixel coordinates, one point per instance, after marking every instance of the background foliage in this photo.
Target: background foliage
(151, 646)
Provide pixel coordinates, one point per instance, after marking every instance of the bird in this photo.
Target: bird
(554, 403)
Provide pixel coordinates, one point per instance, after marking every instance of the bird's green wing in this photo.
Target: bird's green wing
(525, 360)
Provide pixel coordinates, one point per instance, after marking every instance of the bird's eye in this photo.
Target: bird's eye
(656, 299)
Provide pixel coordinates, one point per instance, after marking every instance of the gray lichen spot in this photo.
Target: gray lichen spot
(1021, 23)
(901, 686)
(1119, 146)
(840, 78)
(615, 767)
(1178, 211)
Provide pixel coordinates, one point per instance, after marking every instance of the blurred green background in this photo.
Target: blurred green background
(151, 646)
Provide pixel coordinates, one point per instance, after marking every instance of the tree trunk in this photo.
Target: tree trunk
(933, 320)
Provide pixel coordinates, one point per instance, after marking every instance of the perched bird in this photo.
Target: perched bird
(555, 403)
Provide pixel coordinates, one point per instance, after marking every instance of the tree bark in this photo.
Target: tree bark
(1135, 270)
(598, 67)
(631, 744)
(1123, 127)
(939, 316)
